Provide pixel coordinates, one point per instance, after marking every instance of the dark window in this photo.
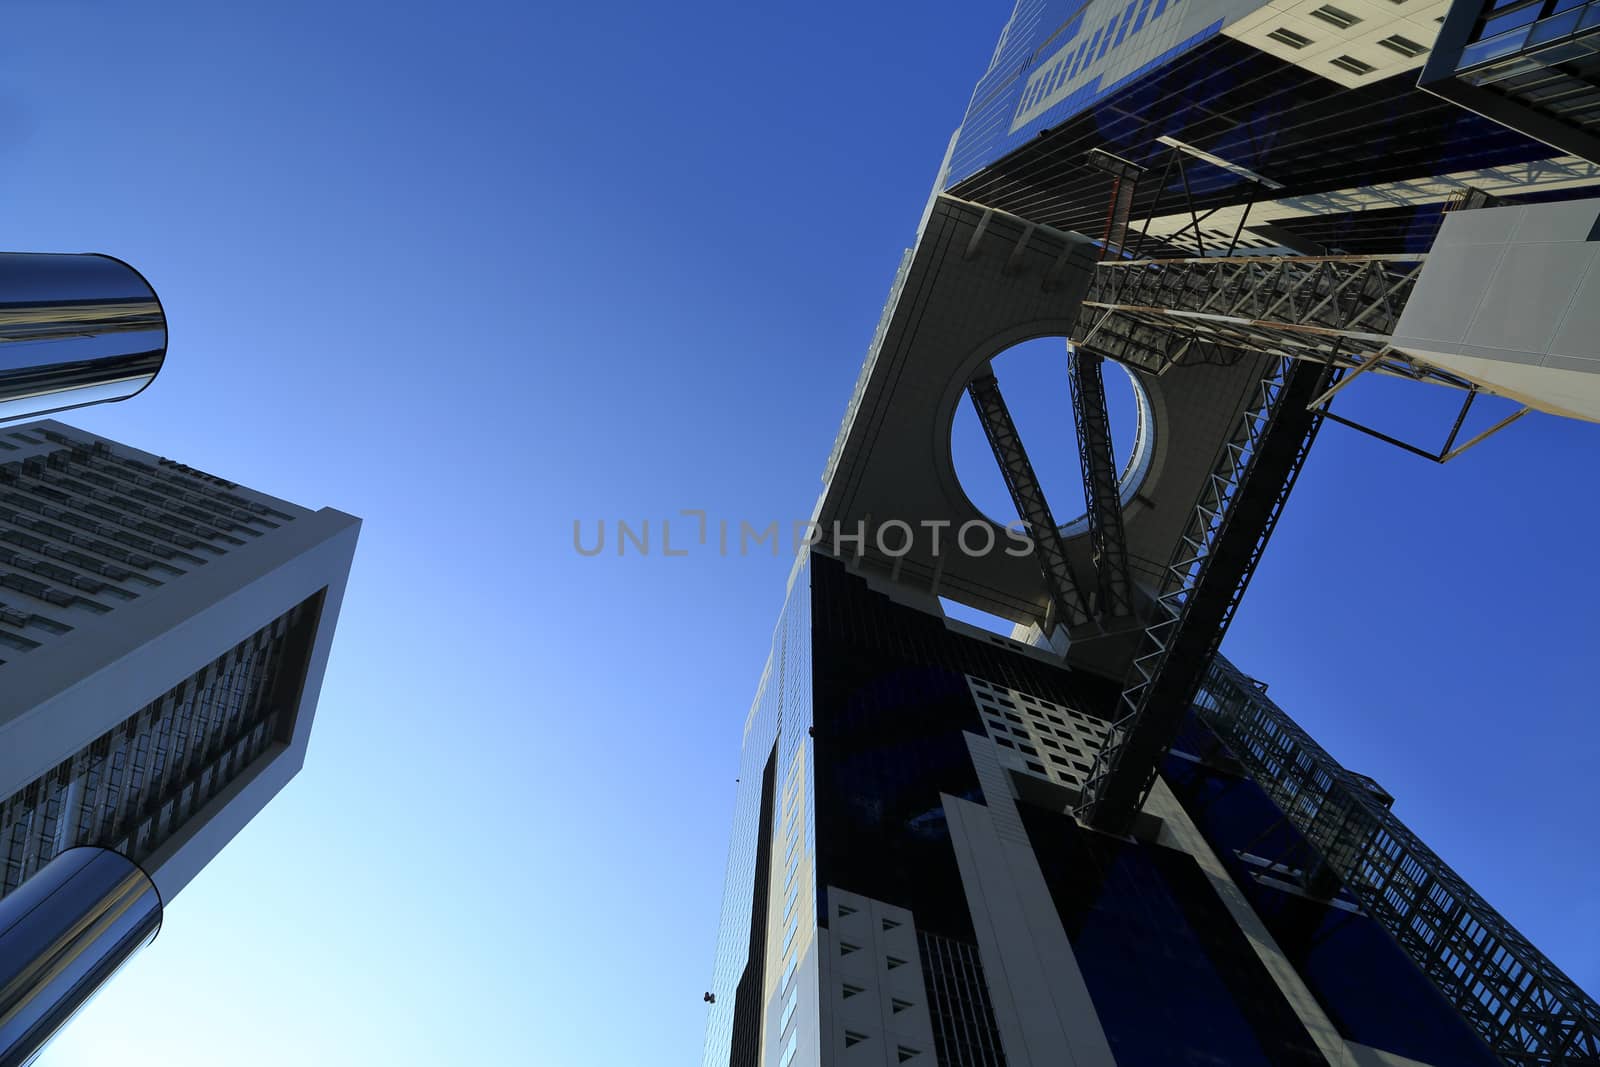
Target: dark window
(1404, 45)
(1353, 65)
(1289, 37)
(1336, 16)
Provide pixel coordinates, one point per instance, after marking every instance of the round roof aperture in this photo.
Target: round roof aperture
(1033, 377)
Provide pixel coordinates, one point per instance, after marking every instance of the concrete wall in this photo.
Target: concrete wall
(1510, 298)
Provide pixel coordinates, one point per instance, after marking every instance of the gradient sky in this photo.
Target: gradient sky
(475, 271)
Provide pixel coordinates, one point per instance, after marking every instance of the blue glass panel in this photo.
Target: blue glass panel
(1554, 27)
(1370, 990)
(1493, 48)
(1591, 17)
(1499, 24)
(1172, 977)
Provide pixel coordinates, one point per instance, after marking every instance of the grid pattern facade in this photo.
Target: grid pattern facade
(1256, 111)
(964, 1032)
(1056, 741)
(85, 527)
(777, 724)
(133, 787)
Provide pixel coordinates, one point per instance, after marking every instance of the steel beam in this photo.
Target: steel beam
(1521, 1004)
(1208, 573)
(1030, 502)
(1279, 305)
(1100, 490)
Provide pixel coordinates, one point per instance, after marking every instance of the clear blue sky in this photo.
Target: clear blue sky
(473, 271)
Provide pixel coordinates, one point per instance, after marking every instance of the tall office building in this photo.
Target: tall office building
(1096, 841)
(909, 885)
(163, 633)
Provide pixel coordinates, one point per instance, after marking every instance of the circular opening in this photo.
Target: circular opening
(1033, 381)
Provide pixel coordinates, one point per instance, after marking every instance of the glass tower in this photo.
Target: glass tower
(907, 883)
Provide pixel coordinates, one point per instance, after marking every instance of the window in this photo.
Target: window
(788, 1011)
(1336, 16)
(1404, 45)
(1353, 65)
(1289, 37)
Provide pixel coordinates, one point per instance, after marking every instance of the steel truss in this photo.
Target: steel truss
(1207, 575)
(1029, 499)
(1100, 489)
(1282, 305)
(1124, 180)
(1520, 1003)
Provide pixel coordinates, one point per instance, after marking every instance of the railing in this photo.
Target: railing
(1520, 1003)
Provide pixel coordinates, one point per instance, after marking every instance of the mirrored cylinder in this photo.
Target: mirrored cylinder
(63, 932)
(74, 330)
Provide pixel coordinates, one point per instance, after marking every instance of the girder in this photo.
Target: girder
(1029, 499)
(1520, 1003)
(1100, 490)
(1207, 575)
(1282, 305)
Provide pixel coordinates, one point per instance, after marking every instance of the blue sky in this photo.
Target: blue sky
(476, 271)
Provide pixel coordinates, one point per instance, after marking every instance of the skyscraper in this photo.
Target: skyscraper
(1097, 841)
(908, 882)
(164, 634)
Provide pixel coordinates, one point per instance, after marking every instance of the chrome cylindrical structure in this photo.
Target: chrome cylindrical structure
(74, 330)
(63, 932)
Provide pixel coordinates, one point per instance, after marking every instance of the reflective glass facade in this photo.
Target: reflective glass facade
(774, 730)
(1172, 976)
(1360, 977)
(1339, 156)
(1182, 933)
(1533, 65)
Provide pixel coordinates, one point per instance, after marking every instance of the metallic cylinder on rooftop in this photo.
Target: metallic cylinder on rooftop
(74, 330)
(63, 932)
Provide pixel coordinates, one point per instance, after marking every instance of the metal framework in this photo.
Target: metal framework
(1520, 1003)
(1281, 305)
(1124, 179)
(1029, 499)
(1448, 451)
(1205, 579)
(1101, 496)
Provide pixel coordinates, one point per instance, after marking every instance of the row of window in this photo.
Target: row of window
(1027, 724)
(137, 783)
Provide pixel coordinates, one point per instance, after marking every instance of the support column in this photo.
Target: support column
(63, 932)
